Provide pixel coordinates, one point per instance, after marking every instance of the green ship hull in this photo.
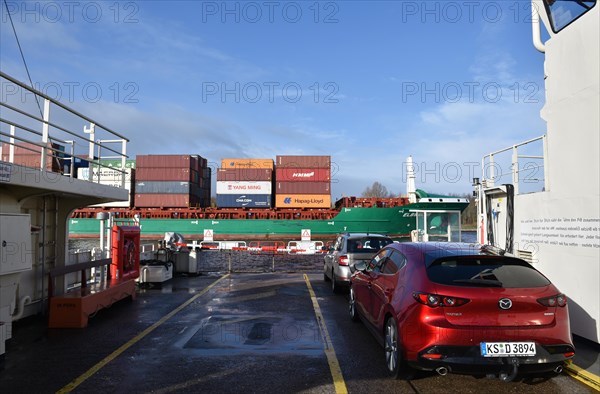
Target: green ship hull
(396, 222)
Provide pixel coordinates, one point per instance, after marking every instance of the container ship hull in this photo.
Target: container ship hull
(395, 221)
(255, 200)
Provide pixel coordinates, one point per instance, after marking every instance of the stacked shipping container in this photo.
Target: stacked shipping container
(245, 183)
(303, 182)
(30, 155)
(247, 163)
(172, 181)
(109, 173)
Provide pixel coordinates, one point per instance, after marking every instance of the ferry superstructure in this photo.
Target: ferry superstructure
(540, 199)
(36, 203)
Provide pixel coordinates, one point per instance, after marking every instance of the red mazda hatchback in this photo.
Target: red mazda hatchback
(461, 308)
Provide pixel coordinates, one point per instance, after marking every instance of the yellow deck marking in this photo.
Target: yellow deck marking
(583, 376)
(90, 372)
(334, 365)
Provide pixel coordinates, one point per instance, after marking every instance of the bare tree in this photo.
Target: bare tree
(376, 190)
(469, 215)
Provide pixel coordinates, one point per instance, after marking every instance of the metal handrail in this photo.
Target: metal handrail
(58, 103)
(74, 134)
(32, 143)
(515, 163)
(515, 146)
(47, 125)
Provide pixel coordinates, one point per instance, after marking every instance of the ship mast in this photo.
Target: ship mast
(411, 189)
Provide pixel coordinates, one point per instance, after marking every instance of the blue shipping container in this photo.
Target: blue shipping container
(167, 187)
(244, 201)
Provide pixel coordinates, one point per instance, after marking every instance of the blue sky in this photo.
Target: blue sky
(367, 82)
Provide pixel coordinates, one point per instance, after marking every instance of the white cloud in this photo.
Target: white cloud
(458, 135)
(368, 137)
(43, 37)
(170, 129)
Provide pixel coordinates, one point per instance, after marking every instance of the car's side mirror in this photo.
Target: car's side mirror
(359, 266)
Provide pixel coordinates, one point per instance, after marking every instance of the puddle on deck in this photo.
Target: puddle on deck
(242, 334)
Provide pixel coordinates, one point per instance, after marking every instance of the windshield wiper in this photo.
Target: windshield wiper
(477, 281)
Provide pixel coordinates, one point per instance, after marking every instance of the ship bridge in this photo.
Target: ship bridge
(43, 144)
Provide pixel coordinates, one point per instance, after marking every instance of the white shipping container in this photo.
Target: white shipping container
(246, 187)
(106, 175)
(113, 183)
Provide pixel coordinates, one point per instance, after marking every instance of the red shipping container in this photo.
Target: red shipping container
(164, 174)
(198, 163)
(195, 176)
(303, 161)
(167, 200)
(302, 174)
(303, 188)
(30, 155)
(161, 161)
(244, 174)
(194, 163)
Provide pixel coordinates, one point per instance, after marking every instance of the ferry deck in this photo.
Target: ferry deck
(238, 332)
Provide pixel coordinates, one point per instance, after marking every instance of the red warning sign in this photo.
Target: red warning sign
(305, 235)
(208, 235)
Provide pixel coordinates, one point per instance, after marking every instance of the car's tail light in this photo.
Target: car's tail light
(435, 300)
(433, 356)
(557, 300)
(343, 260)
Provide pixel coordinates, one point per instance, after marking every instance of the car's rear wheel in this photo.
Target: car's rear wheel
(352, 306)
(335, 287)
(325, 277)
(394, 361)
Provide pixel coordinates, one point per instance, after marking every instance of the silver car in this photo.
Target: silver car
(347, 250)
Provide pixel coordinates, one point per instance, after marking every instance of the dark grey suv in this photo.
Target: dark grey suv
(347, 250)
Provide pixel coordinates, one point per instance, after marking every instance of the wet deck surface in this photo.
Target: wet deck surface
(249, 333)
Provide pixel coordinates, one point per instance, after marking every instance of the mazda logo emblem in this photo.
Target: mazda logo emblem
(505, 303)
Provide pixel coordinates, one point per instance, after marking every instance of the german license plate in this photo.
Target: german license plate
(507, 349)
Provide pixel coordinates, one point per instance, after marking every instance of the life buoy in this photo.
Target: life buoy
(128, 255)
(125, 252)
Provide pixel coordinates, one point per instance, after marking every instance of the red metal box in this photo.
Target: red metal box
(302, 174)
(244, 174)
(303, 187)
(303, 162)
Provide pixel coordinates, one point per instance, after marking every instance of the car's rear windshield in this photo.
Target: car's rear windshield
(485, 271)
(367, 244)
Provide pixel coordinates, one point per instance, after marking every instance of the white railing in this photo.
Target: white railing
(148, 251)
(527, 177)
(217, 245)
(98, 274)
(77, 256)
(51, 132)
(305, 247)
